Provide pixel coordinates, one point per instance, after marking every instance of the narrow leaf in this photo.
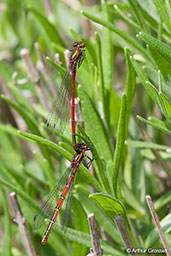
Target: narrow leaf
(166, 103)
(130, 87)
(24, 195)
(156, 123)
(51, 31)
(163, 11)
(154, 236)
(120, 138)
(163, 200)
(83, 238)
(81, 224)
(157, 45)
(6, 246)
(118, 31)
(145, 144)
(111, 206)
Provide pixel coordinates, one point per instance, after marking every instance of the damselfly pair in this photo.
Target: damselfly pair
(51, 208)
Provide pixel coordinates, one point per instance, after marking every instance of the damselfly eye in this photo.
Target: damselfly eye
(75, 44)
(78, 44)
(82, 45)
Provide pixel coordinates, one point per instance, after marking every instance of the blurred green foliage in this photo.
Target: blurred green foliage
(125, 98)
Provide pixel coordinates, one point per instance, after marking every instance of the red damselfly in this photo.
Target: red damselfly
(59, 115)
(50, 209)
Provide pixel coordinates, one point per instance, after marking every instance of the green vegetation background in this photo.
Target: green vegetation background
(125, 93)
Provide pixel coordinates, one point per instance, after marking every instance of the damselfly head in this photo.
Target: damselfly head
(78, 44)
(80, 147)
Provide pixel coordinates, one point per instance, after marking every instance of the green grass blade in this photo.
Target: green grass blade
(162, 126)
(50, 30)
(129, 39)
(163, 200)
(167, 104)
(50, 174)
(46, 142)
(85, 239)
(157, 45)
(19, 192)
(111, 206)
(6, 246)
(107, 49)
(125, 18)
(145, 144)
(130, 87)
(120, 138)
(100, 70)
(20, 99)
(153, 236)
(152, 91)
(81, 224)
(136, 10)
(60, 69)
(162, 64)
(31, 123)
(162, 9)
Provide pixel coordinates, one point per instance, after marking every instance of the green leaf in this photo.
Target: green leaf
(107, 57)
(153, 75)
(60, 69)
(84, 239)
(125, 18)
(133, 202)
(152, 91)
(48, 171)
(20, 98)
(111, 206)
(130, 87)
(154, 95)
(50, 30)
(166, 103)
(162, 126)
(22, 194)
(114, 110)
(6, 246)
(120, 138)
(162, 64)
(100, 70)
(144, 144)
(34, 177)
(92, 206)
(9, 129)
(157, 45)
(163, 11)
(136, 10)
(163, 200)
(31, 123)
(153, 236)
(139, 71)
(81, 224)
(129, 39)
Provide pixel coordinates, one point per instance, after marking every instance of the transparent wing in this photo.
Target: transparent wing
(47, 208)
(59, 114)
(66, 213)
